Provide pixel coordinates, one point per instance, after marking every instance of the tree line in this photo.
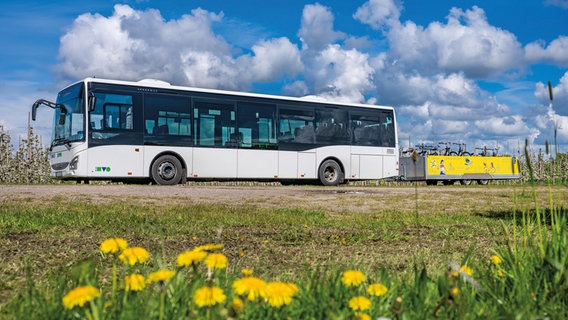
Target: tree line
(29, 162)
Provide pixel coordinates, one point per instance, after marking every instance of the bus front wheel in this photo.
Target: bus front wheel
(330, 173)
(167, 170)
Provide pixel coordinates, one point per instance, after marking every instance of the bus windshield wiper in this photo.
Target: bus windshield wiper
(59, 141)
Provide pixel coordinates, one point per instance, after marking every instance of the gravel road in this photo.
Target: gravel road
(333, 199)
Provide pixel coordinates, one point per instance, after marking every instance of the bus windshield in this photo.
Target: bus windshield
(73, 128)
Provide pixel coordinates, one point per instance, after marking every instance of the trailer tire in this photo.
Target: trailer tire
(465, 182)
(431, 182)
(330, 173)
(483, 182)
(167, 170)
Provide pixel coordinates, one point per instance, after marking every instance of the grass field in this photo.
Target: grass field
(284, 236)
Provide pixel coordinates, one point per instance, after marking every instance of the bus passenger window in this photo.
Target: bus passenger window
(297, 126)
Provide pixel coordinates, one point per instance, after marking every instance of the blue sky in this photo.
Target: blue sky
(470, 71)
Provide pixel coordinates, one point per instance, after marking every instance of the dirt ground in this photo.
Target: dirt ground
(333, 199)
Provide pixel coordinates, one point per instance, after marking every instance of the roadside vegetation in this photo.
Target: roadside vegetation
(417, 255)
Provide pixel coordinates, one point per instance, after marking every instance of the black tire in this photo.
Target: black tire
(167, 170)
(431, 182)
(330, 173)
(483, 182)
(465, 182)
(448, 182)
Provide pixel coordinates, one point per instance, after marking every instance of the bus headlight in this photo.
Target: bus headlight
(74, 163)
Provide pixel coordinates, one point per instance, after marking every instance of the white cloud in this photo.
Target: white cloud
(378, 13)
(316, 31)
(343, 75)
(556, 52)
(559, 94)
(273, 59)
(134, 44)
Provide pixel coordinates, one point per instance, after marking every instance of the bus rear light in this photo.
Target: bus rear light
(302, 175)
(275, 177)
(129, 173)
(195, 175)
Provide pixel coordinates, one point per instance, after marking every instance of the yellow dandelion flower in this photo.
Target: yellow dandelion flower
(496, 259)
(353, 278)
(454, 291)
(208, 296)
(467, 270)
(359, 303)
(134, 255)
(237, 304)
(208, 247)
(247, 272)
(113, 245)
(190, 258)
(362, 316)
(377, 290)
(216, 261)
(455, 274)
(161, 275)
(79, 296)
(251, 287)
(499, 273)
(134, 282)
(279, 293)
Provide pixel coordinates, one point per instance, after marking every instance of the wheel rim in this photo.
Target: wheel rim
(167, 170)
(330, 174)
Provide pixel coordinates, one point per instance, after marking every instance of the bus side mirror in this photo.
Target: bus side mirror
(34, 109)
(92, 102)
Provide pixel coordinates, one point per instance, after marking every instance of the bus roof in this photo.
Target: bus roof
(152, 83)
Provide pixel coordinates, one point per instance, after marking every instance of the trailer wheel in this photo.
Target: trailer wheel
(483, 182)
(465, 182)
(167, 170)
(448, 182)
(330, 173)
(431, 182)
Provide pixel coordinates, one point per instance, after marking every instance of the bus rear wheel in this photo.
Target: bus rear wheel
(167, 170)
(330, 173)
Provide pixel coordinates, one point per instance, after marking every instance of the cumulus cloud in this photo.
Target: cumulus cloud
(379, 13)
(465, 43)
(559, 93)
(134, 44)
(316, 31)
(556, 52)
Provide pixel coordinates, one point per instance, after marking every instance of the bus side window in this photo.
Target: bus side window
(297, 126)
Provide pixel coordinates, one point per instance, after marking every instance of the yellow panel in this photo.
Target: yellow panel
(461, 165)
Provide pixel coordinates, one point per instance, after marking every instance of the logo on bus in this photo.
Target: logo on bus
(102, 169)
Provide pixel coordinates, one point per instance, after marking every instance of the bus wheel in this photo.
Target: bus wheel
(167, 170)
(465, 182)
(330, 173)
(483, 182)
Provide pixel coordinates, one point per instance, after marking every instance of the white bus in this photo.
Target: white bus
(151, 130)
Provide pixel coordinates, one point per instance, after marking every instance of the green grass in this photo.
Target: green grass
(47, 248)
